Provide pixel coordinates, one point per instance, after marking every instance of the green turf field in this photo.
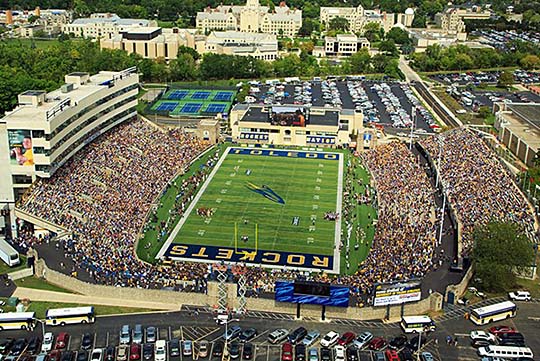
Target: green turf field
(190, 97)
(308, 188)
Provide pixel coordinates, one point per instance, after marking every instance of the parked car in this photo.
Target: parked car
(61, 341)
(122, 353)
(148, 351)
(34, 345)
(7, 343)
(110, 353)
(55, 355)
(87, 341)
(247, 351)
(125, 335)
(346, 339)
(496, 330)
(137, 336)
(397, 342)
(18, 347)
(326, 354)
(416, 342)
(339, 353)
(48, 341)
(217, 350)
(311, 337)
(174, 347)
(82, 355)
(297, 335)
(406, 355)
(363, 339)
(248, 334)
(481, 335)
(352, 353)
(519, 296)
(187, 348)
(151, 334)
(379, 356)
(378, 343)
(67, 356)
(287, 352)
(392, 355)
(160, 353)
(135, 351)
(234, 350)
(426, 356)
(203, 348)
(313, 354)
(97, 355)
(278, 335)
(329, 339)
(232, 333)
(300, 352)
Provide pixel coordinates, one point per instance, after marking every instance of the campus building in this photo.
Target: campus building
(519, 129)
(45, 130)
(251, 18)
(341, 45)
(104, 25)
(358, 17)
(295, 125)
(150, 42)
(422, 38)
(258, 45)
(452, 19)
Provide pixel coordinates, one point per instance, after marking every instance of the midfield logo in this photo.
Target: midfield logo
(266, 192)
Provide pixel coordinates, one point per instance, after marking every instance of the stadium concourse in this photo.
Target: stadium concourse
(105, 194)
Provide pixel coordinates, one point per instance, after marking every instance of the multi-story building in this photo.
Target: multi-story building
(295, 125)
(150, 42)
(104, 25)
(251, 18)
(49, 21)
(341, 45)
(450, 20)
(258, 45)
(45, 130)
(358, 17)
(422, 38)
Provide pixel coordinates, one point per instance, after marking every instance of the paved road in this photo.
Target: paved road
(188, 326)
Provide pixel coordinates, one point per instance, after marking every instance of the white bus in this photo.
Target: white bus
(17, 321)
(492, 313)
(506, 352)
(413, 324)
(8, 254)
(64, 316)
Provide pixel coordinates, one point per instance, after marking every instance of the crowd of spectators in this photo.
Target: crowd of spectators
(103, 196)
(478, 187)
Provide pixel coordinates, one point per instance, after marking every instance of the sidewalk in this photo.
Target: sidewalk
(50, 296)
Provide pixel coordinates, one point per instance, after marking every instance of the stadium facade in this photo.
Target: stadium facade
(295, 125)
(46, 129)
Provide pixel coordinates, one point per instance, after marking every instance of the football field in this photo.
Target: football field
(267, 207)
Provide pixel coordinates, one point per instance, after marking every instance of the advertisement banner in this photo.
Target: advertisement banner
(397, 293)
(20, 147)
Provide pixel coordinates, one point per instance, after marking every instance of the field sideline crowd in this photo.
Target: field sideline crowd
(104, 195)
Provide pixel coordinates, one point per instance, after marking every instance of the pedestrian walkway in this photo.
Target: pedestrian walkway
(50, 296)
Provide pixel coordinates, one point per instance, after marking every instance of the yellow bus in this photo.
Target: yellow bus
(65, 316)
(17, 321)
(493, 313)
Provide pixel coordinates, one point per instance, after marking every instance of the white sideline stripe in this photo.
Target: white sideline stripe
(337, 231)
(179, 225)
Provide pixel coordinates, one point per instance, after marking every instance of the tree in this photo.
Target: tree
(500, 249)
(399, 36)
(373, 32)
(187, 50)
(308, 26)
(183, 67)
(360, 62)
(505, 79)
(389, 48)
(339, 24)
(530, 62)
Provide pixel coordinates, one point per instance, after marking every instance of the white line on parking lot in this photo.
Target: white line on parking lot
(207, 334)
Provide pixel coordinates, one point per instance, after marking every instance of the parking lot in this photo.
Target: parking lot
(490, 78)
(502, 39)
(472, 99)
(388, 104)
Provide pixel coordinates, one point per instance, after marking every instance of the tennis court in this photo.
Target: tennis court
(191, 107)
(200, 95)
(215, 108)
(166, 106)
(223, 96)
(177, 94)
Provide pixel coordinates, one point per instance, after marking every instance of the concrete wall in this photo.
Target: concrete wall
(177, 299)
(460, 288)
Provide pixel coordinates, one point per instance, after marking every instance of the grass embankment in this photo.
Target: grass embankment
(40, 284)
(4, 268)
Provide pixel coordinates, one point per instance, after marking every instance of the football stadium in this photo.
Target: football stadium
(265, 206)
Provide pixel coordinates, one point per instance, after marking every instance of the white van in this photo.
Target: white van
(507, 352)
(160, 353)
(8, 254)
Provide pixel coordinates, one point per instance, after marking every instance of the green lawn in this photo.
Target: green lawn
(40, 284)
(4, 268)
(307, 186)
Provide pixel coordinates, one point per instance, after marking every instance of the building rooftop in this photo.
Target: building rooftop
(259, 114)
(525, 122)
(58, 100)
(112, 20)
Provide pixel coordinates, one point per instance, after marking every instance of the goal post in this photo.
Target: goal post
(237, 237)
